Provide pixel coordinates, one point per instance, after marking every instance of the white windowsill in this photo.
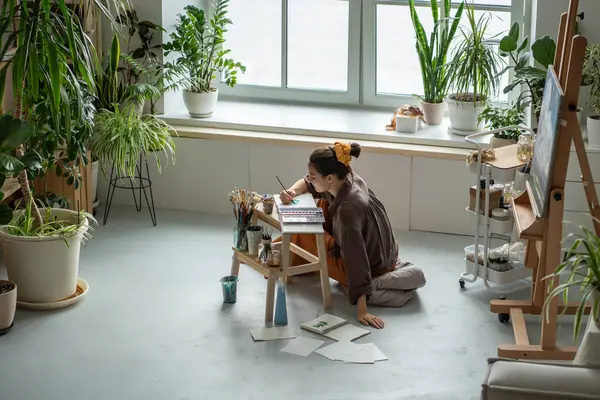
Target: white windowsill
(322, 121)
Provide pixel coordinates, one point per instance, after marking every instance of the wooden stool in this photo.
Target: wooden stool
(286, 270)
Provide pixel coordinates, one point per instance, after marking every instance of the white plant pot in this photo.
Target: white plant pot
(44, 268)
(8, 306)
(589, 352)
(95, 168)
(593, 130)
(464, 115)
(433, 112)
(499, 142)
(200, 105)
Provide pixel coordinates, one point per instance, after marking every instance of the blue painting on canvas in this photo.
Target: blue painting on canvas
(545, 142)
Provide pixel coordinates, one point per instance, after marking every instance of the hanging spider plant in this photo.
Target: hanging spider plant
(49, 54)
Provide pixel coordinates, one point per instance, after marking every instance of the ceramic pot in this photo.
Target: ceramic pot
(593, 130)
(499, 142)
(200, 105)
(8, 305)
(588, 353)
(521, 179)
(464, 115)
(433, 112)
(44, 268)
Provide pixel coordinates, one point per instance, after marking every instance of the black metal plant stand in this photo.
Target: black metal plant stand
(143, 183)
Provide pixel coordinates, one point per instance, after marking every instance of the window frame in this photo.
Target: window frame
(362, 60)
(350, 96)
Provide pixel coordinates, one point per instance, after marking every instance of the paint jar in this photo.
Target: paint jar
(240, 240)
(265, 251)
(507, 195)
(253, 235)
(268, 203)
(274, 258)
(525, 147)
(501, 214)
(229, 286)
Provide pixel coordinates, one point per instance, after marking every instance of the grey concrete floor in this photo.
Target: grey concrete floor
(153, 326)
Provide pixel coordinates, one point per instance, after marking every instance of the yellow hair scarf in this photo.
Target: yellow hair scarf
(342, 153)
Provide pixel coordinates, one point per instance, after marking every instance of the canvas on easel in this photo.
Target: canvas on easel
(539, 211)
(545, 143)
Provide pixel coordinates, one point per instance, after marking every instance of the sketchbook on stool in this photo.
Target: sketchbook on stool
(302, 211)
(335, 328)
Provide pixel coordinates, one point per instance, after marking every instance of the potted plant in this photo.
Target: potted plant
(8, 305)
(199, 41)
(473, 74)
(529, 79)
(495, 117)
(137, 137)
(591, 78)
(51, 58)
(582, 267)
(433, 52)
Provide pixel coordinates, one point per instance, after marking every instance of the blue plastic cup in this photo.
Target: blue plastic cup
(229, 286)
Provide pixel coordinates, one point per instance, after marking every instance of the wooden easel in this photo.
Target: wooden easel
(543, 233)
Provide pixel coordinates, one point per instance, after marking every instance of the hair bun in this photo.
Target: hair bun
(355, 150)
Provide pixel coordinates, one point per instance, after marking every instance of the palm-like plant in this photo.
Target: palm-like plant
(433, 52)
(50, 54)
(582, 263)
(474, 67)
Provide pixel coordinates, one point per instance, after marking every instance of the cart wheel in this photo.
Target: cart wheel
(461, 282)
(502, 297)
(504, 318)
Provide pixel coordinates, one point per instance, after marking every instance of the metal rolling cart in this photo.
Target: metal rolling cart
(498, 170)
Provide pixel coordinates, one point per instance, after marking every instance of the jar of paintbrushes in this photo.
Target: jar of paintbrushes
(244, 205)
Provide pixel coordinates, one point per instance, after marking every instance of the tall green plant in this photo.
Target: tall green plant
(199, 42)
(474, 66)
(532, 78)
(582, 267)
(50, 54)
(591, 74)
(433, 52)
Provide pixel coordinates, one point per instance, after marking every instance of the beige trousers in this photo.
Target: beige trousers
(395, 288)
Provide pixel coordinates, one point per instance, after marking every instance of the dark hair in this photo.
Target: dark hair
(325, 162)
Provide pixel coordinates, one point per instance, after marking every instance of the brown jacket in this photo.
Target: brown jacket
(362, 230)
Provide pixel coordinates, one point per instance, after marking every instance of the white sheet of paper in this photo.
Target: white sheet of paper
(273, 333)
(377, 354)
(363, 356)
(347, 332)
(302, 346)
(337, 351)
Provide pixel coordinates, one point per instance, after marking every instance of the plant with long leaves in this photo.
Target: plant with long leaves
(474, 67)
(582, 264)
(433, 52)
(199, 42)
(591, 74)
(121, 137)
(23, 224)
(50, 54)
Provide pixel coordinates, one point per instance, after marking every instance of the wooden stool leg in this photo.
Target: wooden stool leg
(270, 299)
(235, 265)
(325, 288)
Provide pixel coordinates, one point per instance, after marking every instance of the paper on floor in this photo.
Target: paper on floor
(302, 346)
(274, 333)
(345, 351)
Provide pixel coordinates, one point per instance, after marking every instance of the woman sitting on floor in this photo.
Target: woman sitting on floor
(363, 252)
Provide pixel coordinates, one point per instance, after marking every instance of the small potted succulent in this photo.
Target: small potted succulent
(8, 305)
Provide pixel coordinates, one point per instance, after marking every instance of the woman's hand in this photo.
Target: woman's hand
(287, 196)
(369, 319)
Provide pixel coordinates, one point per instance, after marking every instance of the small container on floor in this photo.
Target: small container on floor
(229, 286)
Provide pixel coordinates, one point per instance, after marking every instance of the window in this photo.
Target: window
(339, 51)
